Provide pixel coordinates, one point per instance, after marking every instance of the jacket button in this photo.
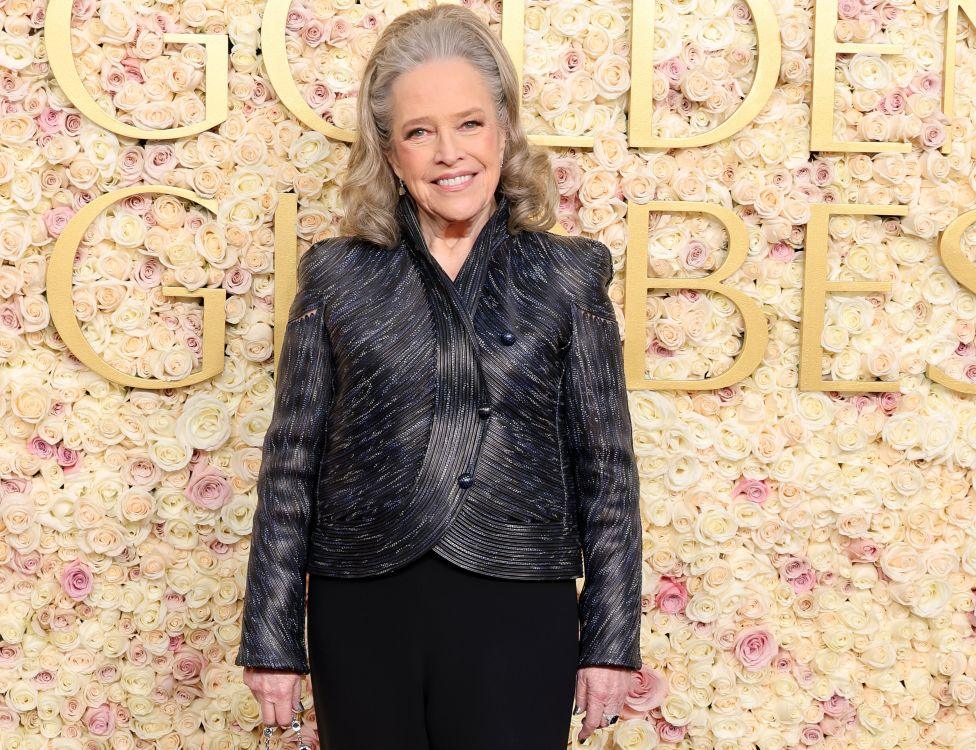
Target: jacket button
(508, 338)
(465, 480)
(484, 412)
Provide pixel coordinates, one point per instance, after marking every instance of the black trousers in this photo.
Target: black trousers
(434, 657)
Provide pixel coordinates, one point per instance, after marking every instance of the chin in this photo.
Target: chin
(458, 208)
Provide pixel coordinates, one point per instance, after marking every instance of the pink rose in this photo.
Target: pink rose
(658, 349)
(811, 734)
(100, 720)
(927, 83)
(27, 563)
(207, 487)
(892, 103)
(296, 17)
(696, 254)
(672, 596)
(76, 580)
(337, 31)
(836, 705)
(188, 664)
(132, 69)
(863, 550)
(673, 69)
(313, 32)
(567, 174)
(57, 219)
(823, 173)
(648, 689)
(753, 489)
(668, 732)
(804, 582)
(781, 252)
(933, 134)
(67, 457)
(889, 402)
(755, 648)
(37, 446)
(50, 120)
(570, 61)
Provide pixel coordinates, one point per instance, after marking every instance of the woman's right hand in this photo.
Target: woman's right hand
(279, 694)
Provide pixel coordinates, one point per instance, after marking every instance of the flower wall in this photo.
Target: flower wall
(810, 557)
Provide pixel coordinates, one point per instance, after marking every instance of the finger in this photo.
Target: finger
(283, 712)
(267, 713)
(580, 701)
(297, 697)
(594, 716)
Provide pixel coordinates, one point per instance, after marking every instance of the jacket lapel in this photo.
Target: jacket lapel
(466, 290)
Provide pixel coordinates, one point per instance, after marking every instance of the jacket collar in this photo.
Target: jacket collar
(467, 285)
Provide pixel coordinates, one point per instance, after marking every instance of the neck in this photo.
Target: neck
(453, 235)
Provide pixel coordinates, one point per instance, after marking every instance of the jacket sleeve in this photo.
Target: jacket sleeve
(605, 472)
(273, 620)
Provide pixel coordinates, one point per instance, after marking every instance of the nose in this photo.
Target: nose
(447, 150)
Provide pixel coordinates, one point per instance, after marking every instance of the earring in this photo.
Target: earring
(402, 188)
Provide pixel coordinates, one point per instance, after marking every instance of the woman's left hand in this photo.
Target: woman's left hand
(599, 691)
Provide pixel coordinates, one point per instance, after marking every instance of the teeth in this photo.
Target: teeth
(455, 180)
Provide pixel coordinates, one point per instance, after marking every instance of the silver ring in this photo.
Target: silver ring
(610, 718)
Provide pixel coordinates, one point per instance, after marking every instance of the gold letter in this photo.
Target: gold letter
(768, 58)
(59, 274)
(825, 51)
(285, 266)
(279, 75)
(962, 271)
(755, 335)
(949, 67)
(57, 40)
(815, 288)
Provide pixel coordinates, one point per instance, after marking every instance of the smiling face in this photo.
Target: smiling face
(445, 126)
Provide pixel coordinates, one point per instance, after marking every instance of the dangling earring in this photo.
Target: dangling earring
(402, 188)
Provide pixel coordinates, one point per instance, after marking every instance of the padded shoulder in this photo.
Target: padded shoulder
(587, 267)
(320, 263)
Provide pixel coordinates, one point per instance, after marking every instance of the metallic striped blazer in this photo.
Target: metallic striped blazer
(485, 418)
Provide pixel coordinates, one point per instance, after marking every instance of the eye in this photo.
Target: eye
(415, 130)
(475, 122)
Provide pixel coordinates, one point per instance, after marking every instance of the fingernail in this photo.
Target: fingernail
(576, 710)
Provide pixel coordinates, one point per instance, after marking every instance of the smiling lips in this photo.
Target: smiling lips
(456, 182)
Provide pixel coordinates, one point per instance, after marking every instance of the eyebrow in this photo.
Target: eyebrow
(459, 115)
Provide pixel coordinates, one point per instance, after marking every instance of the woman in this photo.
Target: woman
(450, 442)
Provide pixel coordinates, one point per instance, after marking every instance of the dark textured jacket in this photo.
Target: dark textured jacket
(484, 418)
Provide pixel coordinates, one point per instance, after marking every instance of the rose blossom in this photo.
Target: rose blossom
(755, 648)
(781, 252)
(37, 446)
(672, 596)
(207, 487)
(648, 689)
(76, 580)
(67, 457)
(753, 489)
(863, 550)
(836, 706)
(100, 720)
(669, 732)
(57, 219)
(811, 734)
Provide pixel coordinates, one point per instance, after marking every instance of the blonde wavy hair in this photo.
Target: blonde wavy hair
(369, 191)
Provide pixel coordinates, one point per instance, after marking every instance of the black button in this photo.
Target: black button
(465, 480)
(484, 412)
(508, 338)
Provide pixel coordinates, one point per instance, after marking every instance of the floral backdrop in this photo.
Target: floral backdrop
(810, 557)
